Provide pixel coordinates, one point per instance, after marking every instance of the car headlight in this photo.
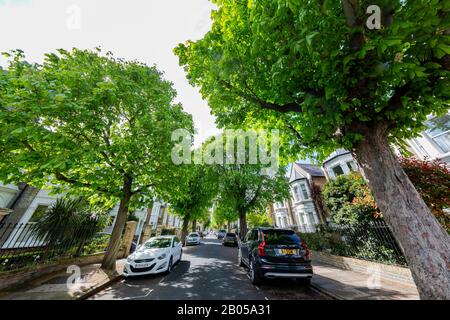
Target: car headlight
(129, 259)
(162, 256)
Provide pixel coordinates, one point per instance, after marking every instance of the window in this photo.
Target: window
(337, 170)
(304, 191)
(254, 235)
(248, 236)
(351, 166)
(281, 237)
(285, 222)
(439, 131)
(38, 213)
(300, 218)
(296, 193)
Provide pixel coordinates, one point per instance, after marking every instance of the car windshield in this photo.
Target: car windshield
(222, 231)
(232, 235)
(193, 235)
(158, 243)
(283, 237)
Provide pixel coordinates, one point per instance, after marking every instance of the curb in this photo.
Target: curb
(99, 288)
(326, 292)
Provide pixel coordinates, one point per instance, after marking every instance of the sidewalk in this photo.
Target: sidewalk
(64, 286)
(351, 285)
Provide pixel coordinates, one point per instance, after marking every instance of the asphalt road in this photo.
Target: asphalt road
(207, 271)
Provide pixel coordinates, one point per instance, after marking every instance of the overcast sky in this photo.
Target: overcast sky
(146, 30)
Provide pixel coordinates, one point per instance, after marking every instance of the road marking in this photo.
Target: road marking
(137, 297)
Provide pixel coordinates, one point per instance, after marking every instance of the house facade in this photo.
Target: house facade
(431, 144)
(300, 212)
(20, 207)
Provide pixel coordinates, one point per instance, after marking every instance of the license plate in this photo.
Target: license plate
(288, 251)
(142, 265)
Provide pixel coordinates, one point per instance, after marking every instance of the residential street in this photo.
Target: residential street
(207, 271)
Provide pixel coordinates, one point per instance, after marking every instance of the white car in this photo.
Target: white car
(193, 238)
(156, 255)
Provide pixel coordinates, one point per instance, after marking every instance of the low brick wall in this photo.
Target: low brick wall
(19, 278)
(389, 272)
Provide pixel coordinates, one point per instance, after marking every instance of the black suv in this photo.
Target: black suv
(275, 253)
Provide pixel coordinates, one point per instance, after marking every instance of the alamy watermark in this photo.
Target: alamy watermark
(232, 147)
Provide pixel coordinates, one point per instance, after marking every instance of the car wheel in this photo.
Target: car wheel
(303, 281)
(241, 263)
(169, 266)
(254, 275)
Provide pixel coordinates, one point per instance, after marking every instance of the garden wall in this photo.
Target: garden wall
(389, 272)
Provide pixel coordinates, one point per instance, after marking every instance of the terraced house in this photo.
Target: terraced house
(21, 205)
(300, 211)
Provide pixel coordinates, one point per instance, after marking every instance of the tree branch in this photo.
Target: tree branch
(61, 177)
(288, 107)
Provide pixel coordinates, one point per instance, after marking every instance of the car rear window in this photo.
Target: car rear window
(283, 237)
(231, 235)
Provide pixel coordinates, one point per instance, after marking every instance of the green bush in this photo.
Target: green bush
(70, 223)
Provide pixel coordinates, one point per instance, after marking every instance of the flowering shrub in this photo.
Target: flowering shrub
(432, 181)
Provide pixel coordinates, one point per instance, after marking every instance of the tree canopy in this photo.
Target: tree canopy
(318, 72)
(92, 124)
(325, 75)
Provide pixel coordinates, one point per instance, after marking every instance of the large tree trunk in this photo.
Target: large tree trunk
(184, 230)
(242, 224)
(425, 243)
(109, 261)
(194, 225)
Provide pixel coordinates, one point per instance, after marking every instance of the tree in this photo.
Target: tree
(259, 220)
(245, 187)
(194, 197)
(321, 71)
(224, 214)
(90, 124)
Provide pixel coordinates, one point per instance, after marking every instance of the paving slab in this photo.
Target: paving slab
(351, 285)
(65, 285)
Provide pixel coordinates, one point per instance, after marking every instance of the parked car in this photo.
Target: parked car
(275, 253)
(193, 238)
(221, 234)
(156, 255)
(230, 239)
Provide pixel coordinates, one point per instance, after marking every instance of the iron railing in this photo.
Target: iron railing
(372, 241)
(22, 245)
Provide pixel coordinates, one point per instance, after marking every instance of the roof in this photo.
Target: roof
(312, 170)
(334, 154)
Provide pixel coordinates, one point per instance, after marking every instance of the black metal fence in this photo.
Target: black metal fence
(23, 245)
(372, 241)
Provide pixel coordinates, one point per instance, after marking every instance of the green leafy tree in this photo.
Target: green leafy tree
(245, 187)
(90, 124)
(194, 196)
(317, 71)
(256, 219)
(224, 214)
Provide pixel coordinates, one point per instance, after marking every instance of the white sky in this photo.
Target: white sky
(145, 30)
